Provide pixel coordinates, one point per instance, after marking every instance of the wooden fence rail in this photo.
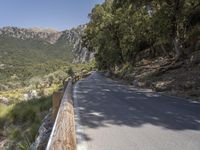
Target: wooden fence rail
(63, 133)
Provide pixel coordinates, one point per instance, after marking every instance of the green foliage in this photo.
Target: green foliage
(23, 120)
(24, 59)
(70, 72)
(27, 65)
(119, 30)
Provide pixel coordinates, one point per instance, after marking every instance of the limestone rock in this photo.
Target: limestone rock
(4, 100)
(44, 133)
(161, 86)
(33, 94)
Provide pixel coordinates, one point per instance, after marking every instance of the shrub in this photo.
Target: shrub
(23, 120)
(70, 72)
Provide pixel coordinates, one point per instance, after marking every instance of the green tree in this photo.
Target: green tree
(119, 30)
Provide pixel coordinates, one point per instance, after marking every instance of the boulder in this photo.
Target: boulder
(4, 100)
(33, 94)
(161, 86)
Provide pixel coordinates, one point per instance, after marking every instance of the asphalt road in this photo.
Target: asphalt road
(113, 116)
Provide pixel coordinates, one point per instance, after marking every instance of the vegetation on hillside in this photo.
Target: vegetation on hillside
(119, 31)
(30, 71)
(21, 119)
(19, 123)
(23, 59)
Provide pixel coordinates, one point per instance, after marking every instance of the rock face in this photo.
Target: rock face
(44, 133)
(24, 34)
(80, 54)
(72, 37)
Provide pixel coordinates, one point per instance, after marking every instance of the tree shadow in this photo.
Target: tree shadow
(103, 101)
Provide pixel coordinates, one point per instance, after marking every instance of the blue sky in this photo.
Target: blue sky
(57, 14)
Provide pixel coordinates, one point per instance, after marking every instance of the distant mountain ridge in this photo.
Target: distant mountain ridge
(49, 36)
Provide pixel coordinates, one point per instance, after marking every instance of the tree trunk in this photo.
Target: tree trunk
(164, 50)
(177, 6)
(177, 48)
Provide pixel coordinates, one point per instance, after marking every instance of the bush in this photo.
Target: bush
(70, 72)
(23, 120)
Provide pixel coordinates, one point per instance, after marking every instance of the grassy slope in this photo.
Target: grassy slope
(23, 121)
(20, 121)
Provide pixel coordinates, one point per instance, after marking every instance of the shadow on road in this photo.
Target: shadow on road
(103, 101)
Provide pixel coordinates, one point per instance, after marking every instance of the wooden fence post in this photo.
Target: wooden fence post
(57, 96)
(63, 135)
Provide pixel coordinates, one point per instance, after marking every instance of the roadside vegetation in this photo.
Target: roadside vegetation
(21, 116)
(119, 30)
(152, 43)
(19, 123)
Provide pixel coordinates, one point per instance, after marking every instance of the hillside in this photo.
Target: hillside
(46, 39)
(26, 53)
(34, 63)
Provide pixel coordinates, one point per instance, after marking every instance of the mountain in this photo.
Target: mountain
(66, 42)
(81, 54)
(26, 53)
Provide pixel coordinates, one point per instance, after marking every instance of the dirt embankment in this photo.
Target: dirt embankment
(165, 75)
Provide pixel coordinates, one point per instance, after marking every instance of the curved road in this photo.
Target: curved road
(113, 116)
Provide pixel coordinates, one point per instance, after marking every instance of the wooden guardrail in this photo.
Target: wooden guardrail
(63, 133)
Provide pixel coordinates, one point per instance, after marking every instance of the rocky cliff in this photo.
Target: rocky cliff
(50, 36)
(81, 54)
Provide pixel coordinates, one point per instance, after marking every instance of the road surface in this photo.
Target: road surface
(113, 116)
